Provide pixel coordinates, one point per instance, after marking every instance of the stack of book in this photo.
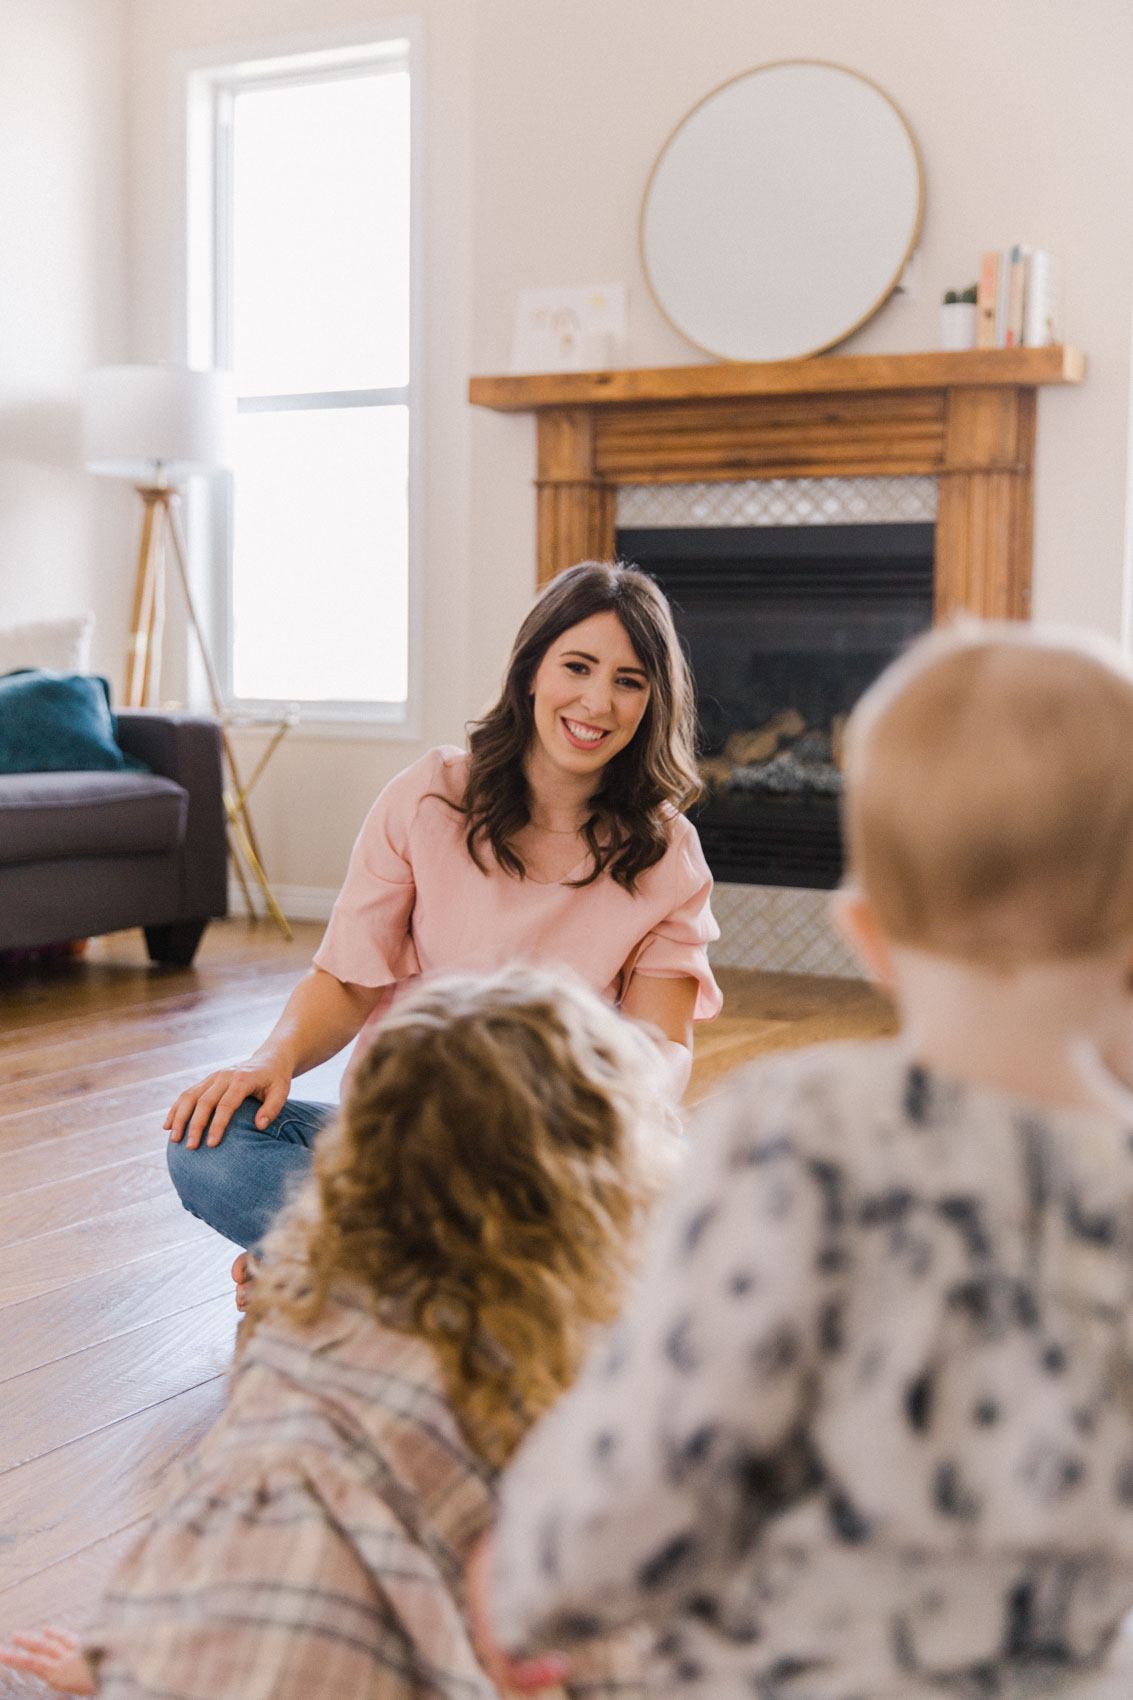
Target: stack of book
(1017, 299)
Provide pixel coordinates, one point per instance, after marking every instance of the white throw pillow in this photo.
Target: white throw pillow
(61, 645)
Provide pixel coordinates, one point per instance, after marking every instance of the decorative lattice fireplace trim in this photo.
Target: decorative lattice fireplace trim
(779, 929)
(778, 501)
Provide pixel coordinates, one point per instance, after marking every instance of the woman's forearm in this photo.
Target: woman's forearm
(665, 1007)
(321, 1016)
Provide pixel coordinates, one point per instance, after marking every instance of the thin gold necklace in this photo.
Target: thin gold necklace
(556, 831)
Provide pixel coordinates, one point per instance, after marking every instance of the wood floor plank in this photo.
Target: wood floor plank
(772, 1012)
(75, 992)
(71, 1497)
(98, 1110)
(85, 1043)
(174, 1000)
(61, 1204)
(28, 1160)
(69, 1155)
(727, 1051)
(116, 973)
(82, 990)
(61, 1402)
(64, 1321)
(835, 1025)
(36, 1129)
(145, 1103)
(727, 1036)
(64, 1086)
(90, 1249)
(751, 992)
(323, 1085)
(237, 940)
(66, 1593)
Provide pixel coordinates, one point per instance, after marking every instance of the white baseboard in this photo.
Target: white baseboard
(298, 902)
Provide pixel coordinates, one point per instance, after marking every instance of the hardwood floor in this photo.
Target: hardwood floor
(116, 1314)
(781, 1012)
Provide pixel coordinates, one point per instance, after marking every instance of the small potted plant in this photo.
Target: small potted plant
(958, 318)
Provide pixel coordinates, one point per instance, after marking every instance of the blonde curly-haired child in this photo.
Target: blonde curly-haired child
(472, 1218)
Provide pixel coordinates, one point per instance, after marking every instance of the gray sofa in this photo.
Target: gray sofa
(89, 853)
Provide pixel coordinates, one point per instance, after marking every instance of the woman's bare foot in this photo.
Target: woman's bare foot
(241, 1274)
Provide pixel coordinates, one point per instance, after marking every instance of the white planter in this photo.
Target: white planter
(958, 325)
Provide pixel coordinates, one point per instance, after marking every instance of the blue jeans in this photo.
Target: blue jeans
(239, 1186)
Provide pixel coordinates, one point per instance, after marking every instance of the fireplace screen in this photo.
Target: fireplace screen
(784, 627)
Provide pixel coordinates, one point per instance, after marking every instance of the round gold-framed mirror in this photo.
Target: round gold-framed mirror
(781, 211)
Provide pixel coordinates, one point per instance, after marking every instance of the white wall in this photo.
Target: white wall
(62, 264)
(545, 117)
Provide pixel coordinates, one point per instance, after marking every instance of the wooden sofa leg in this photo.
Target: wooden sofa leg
(175, 943)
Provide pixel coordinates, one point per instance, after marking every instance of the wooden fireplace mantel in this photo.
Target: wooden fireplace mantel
(968, 418)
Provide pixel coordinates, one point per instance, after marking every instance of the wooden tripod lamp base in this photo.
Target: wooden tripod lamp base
(158, 425)
(161, 524)
(143, 656)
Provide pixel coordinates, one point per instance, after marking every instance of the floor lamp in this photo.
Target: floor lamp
(160, 425)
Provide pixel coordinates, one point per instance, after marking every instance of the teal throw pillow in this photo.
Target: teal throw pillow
(58, 723)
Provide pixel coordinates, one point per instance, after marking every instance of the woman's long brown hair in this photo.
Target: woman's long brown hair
(653, 776)
(484, 1187)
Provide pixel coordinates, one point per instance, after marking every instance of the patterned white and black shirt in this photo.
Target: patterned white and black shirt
(867, 1428)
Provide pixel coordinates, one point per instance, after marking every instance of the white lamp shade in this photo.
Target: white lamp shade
(157, 424)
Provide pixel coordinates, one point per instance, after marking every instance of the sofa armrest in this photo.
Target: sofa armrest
(187, 748)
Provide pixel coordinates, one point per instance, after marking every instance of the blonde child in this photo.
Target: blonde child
(866, 1429)
(471, 1218)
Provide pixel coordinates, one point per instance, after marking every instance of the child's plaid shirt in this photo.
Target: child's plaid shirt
(315, 1546)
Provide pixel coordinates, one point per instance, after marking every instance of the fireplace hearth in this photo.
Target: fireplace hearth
(784, 628)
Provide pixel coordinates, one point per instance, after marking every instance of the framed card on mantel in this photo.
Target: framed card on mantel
(570, 330)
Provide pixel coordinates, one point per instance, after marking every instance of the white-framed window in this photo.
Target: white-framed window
(302, 193)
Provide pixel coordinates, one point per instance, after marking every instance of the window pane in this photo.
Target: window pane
(321, 235)
(320, 580)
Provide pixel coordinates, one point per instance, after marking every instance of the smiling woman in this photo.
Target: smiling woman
(558, 838)
(610, 684)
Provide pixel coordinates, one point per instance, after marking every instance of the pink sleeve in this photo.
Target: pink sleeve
(368, 941)
(677, 947)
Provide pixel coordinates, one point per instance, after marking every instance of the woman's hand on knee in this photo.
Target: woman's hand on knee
(321, 1015)
(212, 1102)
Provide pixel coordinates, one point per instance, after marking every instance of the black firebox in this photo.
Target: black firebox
(784, 628)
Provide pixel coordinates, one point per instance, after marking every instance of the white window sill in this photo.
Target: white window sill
(328, 727)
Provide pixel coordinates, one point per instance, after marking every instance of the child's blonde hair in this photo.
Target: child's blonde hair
(485, 1182)
(988, 810)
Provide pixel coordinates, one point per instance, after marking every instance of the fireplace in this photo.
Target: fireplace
(784, 628)
(965, 421)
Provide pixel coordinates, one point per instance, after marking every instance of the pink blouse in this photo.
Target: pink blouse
(414, 902)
